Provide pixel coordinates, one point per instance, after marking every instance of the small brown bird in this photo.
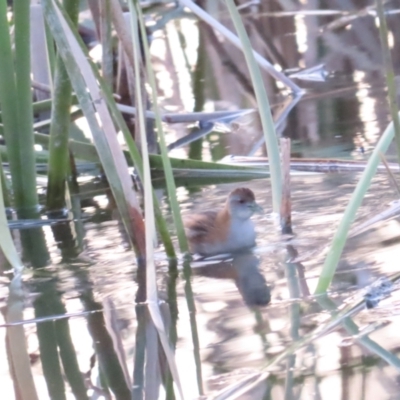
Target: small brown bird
(227, 230)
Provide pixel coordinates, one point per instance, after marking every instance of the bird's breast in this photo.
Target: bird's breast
(241, 234)
(214, 233)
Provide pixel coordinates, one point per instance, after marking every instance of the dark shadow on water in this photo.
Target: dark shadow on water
(243, 269)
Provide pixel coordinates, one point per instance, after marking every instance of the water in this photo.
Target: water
(236, 338)
(237, 321)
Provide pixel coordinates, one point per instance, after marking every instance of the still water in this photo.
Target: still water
(248, 309)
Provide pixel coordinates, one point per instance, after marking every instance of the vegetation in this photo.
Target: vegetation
(94, 105)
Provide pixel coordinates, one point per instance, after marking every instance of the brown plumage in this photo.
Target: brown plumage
(226, 230)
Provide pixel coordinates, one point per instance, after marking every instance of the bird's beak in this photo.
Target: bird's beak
(256, 208)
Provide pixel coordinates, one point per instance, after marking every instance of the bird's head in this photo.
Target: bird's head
(242, 203)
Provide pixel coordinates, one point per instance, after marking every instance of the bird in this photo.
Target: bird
(227, 230)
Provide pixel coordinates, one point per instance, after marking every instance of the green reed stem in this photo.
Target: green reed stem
(199, 80)
(263, 107)
(99, 120)
(187, 273)
(141, 128)
(17, 117)
(133, 150)
(169, 176)
(23, 82)
(16, 105)
(107, 60)
(142, 317)
(60, 123)
(339, 240)
(151, 278)
(51, 54)
(390, 76)
(4, 186)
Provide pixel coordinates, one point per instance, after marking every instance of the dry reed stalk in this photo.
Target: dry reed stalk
(286, 204)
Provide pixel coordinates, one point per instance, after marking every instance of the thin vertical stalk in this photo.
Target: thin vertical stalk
(263, 107)
(4, 186)
(17, 114)
(171, 187)
(140, 124)
(142, 316)
(16, 105)
(29, 198)
(173, 334)
(169, 176)
(60, 123)
(100, 121)
(390, 77)
(106, 42)
(151, 281)
(198, 89)
(187, 272)
(8, 95)
(286, 204)
(133, 150)
(51, 54)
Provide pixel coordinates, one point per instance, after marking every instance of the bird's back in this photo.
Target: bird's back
(208, 231)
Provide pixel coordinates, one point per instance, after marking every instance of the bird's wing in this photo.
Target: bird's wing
(199, 225)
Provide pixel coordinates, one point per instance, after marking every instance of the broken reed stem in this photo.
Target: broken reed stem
(390, 173)
(293, 254)
(286, 204)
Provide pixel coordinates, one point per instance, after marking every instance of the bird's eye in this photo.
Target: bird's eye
(241, 201)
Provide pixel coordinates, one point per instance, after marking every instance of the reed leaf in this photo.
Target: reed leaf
(59, 128)
(151, 281)
(263, 106)
(87, 152)
(133, 150)
(100, 121)
(339, 240)
(169, 176)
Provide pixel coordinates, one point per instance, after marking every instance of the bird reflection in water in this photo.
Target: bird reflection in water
(243, 269)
